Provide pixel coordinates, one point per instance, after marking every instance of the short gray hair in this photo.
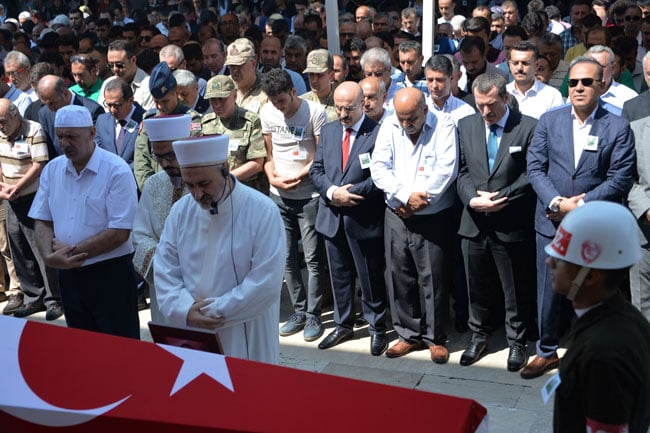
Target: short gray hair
(18, 57)
(171, 51)
(602, 49)
(185, 78)
(484, 83)
(295, 41)
(376, 55)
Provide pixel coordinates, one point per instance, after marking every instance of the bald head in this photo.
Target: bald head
(347, 102)
(374, 95)
(53, 92)
(10, 118)
(411, 110)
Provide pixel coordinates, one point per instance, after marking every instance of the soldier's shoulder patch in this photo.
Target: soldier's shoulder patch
(206, 118)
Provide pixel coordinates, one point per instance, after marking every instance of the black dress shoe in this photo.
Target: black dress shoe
(29, 309)
(473, 353)
(54, 311)
(378, 344)
(337, 336)
(518, 357)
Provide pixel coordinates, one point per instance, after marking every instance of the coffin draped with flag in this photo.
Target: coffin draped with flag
(101, 383)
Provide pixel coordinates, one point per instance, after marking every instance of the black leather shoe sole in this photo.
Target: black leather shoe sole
(474, 352)
(335, 337)
(378, 344)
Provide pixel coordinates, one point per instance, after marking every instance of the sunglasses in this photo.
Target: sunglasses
(585, 81)
(146, 38)
(115, 106)
(118, 65)
(632, 18)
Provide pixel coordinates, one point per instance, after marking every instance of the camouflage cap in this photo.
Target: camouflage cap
(219, 86)
(319, 61)
(240, 51)
(162, 81)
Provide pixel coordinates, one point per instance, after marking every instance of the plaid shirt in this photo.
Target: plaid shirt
(568, 40)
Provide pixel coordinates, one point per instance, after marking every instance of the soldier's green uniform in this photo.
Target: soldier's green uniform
(243, 128)
(144, 164)
(318, 62)
(327, 103)
(246, 141)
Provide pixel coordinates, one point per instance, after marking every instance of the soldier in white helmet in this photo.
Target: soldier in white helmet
(604, 379)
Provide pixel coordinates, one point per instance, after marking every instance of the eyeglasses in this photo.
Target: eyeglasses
(348, 35)
(169, 156)
(77, 59)
(118, 65)
(348, 109)
(585, 81)
(374, 74)
(115, 106)
(632, 18)
(14, 74)
(145, 38)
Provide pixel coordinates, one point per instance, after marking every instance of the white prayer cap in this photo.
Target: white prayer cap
(201, 151)
(73, 116)
(168, 128)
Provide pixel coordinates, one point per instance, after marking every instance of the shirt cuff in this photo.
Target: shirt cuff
(330, 192)
(581, 202)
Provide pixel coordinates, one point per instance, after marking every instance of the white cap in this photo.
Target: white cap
(168, 128)
(73, 116)
(201, 151)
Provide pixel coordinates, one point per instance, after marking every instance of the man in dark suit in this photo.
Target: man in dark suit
(118, 129)
(54, 94)
(639, 107)
(579, 153)
(350, 216)
(497, 220)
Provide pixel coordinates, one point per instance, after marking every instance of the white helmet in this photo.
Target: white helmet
(598, 235)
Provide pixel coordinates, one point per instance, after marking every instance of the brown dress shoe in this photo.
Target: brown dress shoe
(402, 348)
(439, 354)
(539, 365)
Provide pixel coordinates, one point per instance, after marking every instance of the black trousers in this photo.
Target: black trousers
(492, 265)
(102, 297)
(36, 279)
(418, 274)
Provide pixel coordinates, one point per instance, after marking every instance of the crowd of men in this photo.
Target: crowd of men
(400, 182)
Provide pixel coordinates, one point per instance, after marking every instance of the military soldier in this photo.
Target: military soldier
(242, 61)
(246, 149)
(162, 86)
(320, 68)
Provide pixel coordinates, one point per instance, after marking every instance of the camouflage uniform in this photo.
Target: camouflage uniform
(245, 132)
(327, 103)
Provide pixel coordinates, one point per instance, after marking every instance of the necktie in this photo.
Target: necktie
(345, 147)
(119, 142)
(492, 145)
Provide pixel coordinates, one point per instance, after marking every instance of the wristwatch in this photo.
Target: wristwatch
(555, 205)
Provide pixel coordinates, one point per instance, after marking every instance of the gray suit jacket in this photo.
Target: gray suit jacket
(639, 197)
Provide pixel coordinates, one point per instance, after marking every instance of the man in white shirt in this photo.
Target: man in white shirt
(415, 164)
(291, 128)
(438, 71)
(84, 210)
(534, 97)
(614, 95)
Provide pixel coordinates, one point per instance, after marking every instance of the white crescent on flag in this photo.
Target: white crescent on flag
(16, 396)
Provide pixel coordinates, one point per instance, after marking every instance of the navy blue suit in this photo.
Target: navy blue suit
(603, 174)
(353, 235)
(46, 119)
(105, 135)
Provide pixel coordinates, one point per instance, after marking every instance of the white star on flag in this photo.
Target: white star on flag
(196, 362)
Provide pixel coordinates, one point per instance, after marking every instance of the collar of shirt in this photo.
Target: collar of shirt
(356, 127)
(534, 89)
(588, 121)
(582, 311)
(139, 76)
(92, 164)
